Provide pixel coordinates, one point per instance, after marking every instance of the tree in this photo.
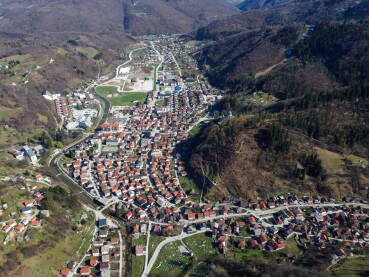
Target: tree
(313, 165)
(72, 154)
(277, 139)
(59, 144)
(59, 135)
(98, 56)
(45, 140)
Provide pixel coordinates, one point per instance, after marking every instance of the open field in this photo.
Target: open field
(153, 243)
(331, 161)
(128, 98)
(270, 68)
(87, 51)
(140, 85)
(195, 130)
(62, 252)
(160, 103)
(9, 136)
(171, 261)
(358, 160)
(20, 58)
(261, 99)
(123, 99)
(5, 113)
(352, 267)
(188, 184)
(62, 52)
(138, 264)
(103, 91)
(201, 245)
(140, 241)
(139, 53)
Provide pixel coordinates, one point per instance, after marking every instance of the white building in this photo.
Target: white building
(30, 155)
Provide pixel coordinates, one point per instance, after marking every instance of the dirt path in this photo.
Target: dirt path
(270, 68)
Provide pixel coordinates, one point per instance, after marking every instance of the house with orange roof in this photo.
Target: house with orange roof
(35, 223)
(65, 272)
(94, 261)
(190, 216)
(19, 228)
(85, 270)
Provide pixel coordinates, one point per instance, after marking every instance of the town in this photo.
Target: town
(131, 167)
(145, 216)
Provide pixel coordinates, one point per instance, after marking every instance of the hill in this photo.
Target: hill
(137, 17)
(306, 112)
(31, 64)
(262, 14)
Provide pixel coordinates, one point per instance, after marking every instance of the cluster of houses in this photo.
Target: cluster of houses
(31, 154)
(132, 159)
(68, 108)
(102, 258)
(29, 215)
(310, 221)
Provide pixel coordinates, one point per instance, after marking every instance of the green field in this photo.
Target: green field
(201, 245)
(103, 91)
(356, 160)
(352, 267)
(195, 130)
(87, 51)
(21, 58)
(124, 99)
(240, 254)
(140, 241)
(5, 113)
(170, 261)
(138, 264)
(10, 136)
(62, 252)
(62, 52)
(160, 103)
(188, 184)
(331, 161)
(139, 53)
(153, 243)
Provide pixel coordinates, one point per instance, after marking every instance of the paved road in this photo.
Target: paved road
(147, 245)
(128, 61)
(179, 69)
(120, 253)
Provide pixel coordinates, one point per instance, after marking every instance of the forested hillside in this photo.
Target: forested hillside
(313, 136)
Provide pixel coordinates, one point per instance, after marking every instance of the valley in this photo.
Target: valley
(184, 138)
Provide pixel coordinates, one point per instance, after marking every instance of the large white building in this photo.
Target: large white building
(30, 155)
(124, 70)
